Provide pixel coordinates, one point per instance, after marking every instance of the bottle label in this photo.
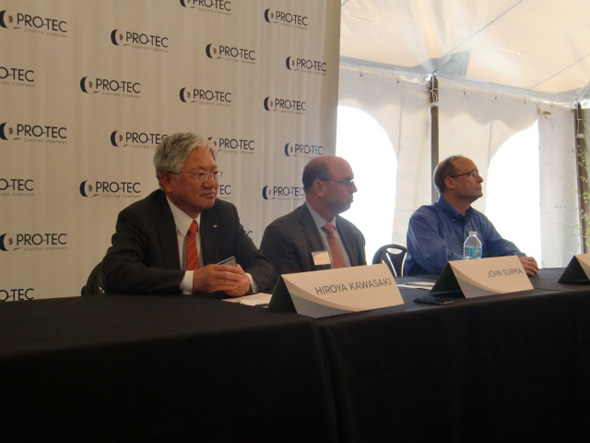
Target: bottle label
(471, 252)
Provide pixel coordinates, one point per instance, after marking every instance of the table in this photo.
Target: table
(512, 367)
(160, 368)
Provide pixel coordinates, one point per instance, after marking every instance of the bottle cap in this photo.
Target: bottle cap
(472, 232)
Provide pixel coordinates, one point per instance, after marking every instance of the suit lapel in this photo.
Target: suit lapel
(167, 234)
(348, 238)
(310, 229)
(210, 235)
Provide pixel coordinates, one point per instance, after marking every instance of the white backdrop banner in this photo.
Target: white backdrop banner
(88, 89)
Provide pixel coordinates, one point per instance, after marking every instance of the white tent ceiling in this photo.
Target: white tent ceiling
(538, 48)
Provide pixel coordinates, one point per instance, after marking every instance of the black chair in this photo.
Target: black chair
(94, 284)
(394, 256)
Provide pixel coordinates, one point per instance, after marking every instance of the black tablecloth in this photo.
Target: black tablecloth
(509, 367)
(134, 368)
(512, 367)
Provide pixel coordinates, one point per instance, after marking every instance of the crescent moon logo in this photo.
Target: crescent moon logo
(208, 50)
(182, 4)
(267, 15)
(114, 139)
(8, 132)
(2, 131)
(288, 61)
(213, 141)
(2, 22)
(287, 150)
(2, 245)
(114, 37)
(114, 136)
(267, 103)
(182, 97)
(264, 195)
(83, 189)
(83, 84)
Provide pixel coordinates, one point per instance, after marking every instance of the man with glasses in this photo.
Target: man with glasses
(172, 241)
(436, 232)
(314, 236)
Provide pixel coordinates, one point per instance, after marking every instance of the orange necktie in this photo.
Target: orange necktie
(192, 255)
(335, 251)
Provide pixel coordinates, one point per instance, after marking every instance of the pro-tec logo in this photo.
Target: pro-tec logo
(110, 189)
(33, 23)
(36, 241)
(285, 105)
(285, 18)
(205, 96)
(139, 40)
(306, 65)
(270, 192)
(224, 191)
(33, 132)
(133, 139)
(106, 86)
(17, 294)
(303, 150)
(234, 145)
(16, 187)
(230, 53)
(12, 76)
(215, 6)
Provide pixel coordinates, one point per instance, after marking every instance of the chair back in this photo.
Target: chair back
(394, 256)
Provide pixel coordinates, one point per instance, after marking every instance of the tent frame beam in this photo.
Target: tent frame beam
(434, 132)
(582, 178)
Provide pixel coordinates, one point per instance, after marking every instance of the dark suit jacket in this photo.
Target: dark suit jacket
(289, 241)
(144, 259)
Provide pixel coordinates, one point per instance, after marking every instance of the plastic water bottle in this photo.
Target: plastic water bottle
(472, 246)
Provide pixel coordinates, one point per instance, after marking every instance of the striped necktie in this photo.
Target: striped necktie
(192, 255)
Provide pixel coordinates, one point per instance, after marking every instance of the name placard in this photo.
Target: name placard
(336, 291)
(485, 276)
(577, 271)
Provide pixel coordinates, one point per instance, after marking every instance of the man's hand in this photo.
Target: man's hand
(229, 279)
(530, 265)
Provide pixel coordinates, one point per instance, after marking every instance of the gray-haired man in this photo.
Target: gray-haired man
(149, 248)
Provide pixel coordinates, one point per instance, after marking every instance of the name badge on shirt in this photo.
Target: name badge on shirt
(321, 258)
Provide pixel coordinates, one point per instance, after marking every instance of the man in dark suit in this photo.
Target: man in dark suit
(149, 248)
(299, 241)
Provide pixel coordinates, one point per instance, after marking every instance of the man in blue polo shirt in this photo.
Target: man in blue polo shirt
(436, 232)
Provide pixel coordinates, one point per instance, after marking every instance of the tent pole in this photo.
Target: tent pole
(583, 180)
(434, 148)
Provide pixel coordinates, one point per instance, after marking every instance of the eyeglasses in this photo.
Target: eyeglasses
(472, 174)
(203, 176)
(345, 181)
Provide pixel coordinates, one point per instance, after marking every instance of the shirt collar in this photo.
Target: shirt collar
(181, 218)
(452, 212)
(318, 219)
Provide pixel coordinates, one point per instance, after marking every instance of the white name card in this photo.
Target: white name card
(577, 271)
(485, 276)
(338, 291)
